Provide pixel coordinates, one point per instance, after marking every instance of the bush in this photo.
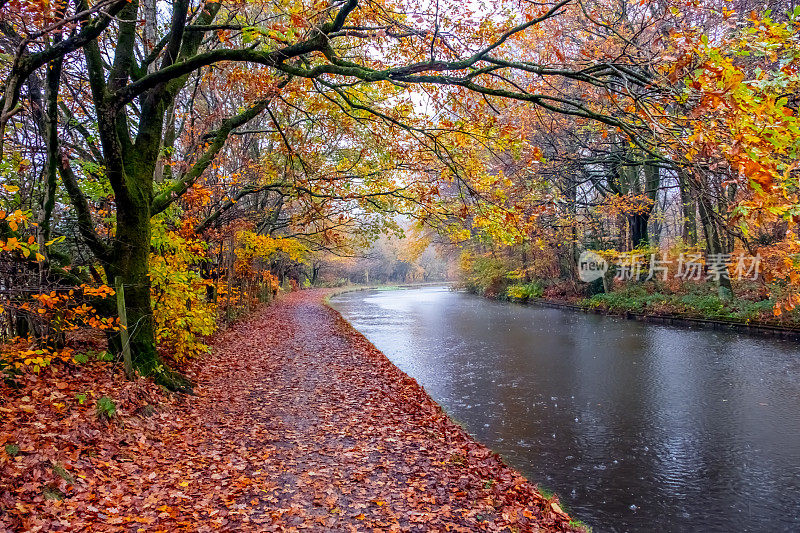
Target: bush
(627, 299)
(487, 276)
(525, 291)
(748, 310)
(696, 301)
(182, 314)
(707, 305)
(616, 301)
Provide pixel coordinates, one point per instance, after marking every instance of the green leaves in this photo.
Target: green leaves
(106, 408)
(12, 449)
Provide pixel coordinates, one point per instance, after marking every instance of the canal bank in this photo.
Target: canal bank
(746, 326)
(674, 319)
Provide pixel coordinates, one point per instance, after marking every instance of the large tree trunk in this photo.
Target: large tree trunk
(638, 224)
(132, 251)
(132, 262)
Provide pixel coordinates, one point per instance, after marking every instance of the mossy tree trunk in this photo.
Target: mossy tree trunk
(131, 263)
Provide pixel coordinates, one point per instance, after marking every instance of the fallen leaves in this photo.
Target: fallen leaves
(298, 423)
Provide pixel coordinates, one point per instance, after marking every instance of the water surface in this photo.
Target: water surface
(637, 427)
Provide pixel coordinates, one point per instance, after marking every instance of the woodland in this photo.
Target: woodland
(167, 168)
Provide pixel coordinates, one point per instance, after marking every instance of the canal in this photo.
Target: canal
(636, 427)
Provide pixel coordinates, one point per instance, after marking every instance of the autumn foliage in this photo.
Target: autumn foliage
(206, 156)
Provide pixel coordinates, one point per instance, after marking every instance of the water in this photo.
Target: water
(636, 427)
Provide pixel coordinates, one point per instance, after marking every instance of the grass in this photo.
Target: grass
(546, 493)
(695, 302)
(579, 524)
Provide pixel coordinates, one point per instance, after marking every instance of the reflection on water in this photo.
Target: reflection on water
(637, 427)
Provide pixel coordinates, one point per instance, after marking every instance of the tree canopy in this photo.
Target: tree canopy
(202, 151)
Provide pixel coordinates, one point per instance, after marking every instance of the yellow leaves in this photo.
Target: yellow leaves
(25, 247)
(11, 244)
(252, 246)
(22, 355)
(16, 219)
(182, 315)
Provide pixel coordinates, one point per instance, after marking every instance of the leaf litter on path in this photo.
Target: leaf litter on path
(298, 422)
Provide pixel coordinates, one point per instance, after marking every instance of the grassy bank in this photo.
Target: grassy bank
(693, 304)
(750, 305)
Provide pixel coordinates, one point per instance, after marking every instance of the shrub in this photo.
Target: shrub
(182, 315)
(748, 310)
(52, 315)
(525, 291)
(485, 275)
(628, 299)
(707, 305)
(617, 302)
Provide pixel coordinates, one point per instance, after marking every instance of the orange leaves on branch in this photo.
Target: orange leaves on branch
(17, 220)
(52, 316)
(626, 204)
(741, 117)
